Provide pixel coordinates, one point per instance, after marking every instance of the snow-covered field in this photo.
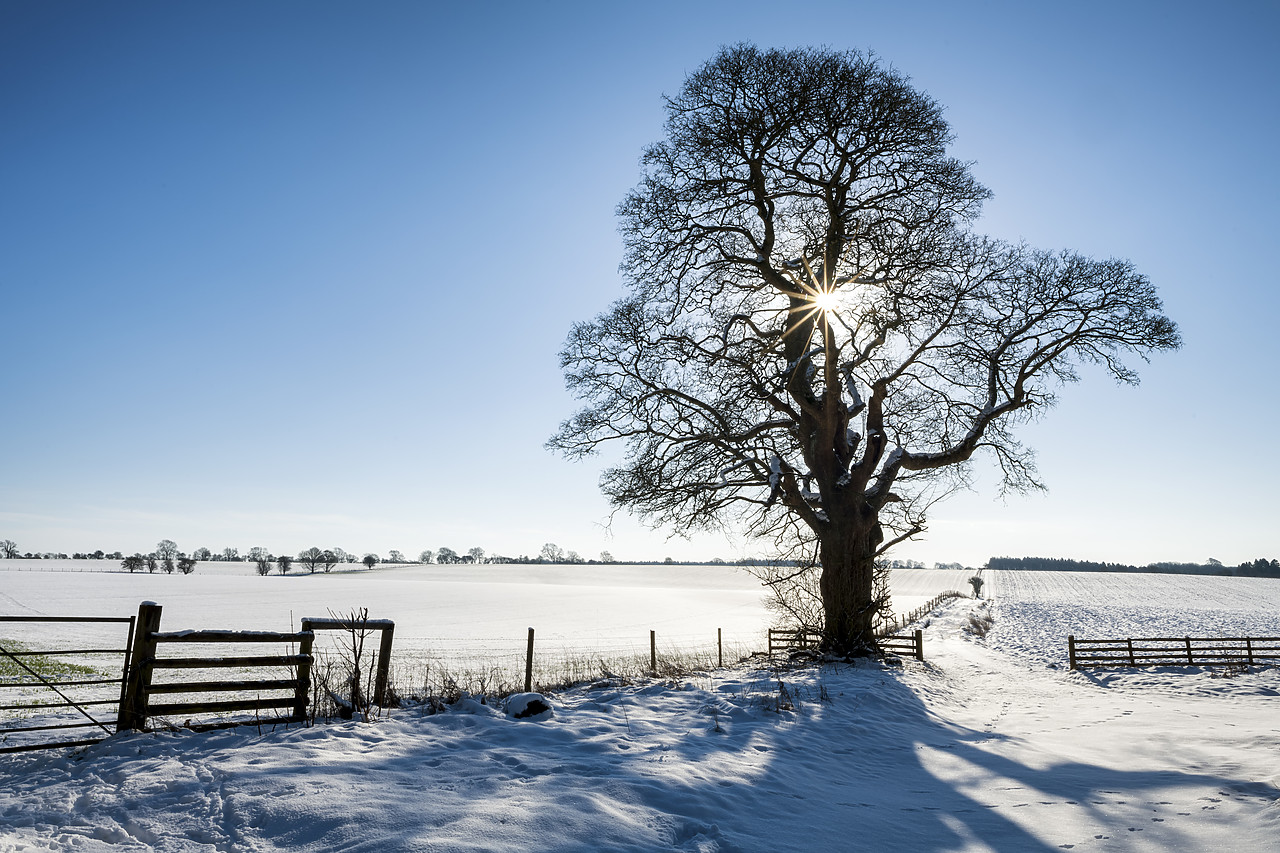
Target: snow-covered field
(991, 745)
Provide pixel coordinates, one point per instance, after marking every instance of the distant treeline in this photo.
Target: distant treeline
(1259, 568)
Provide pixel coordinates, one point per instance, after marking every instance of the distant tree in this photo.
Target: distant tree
(446, 556)
(285, 563)
(133, 563)
(8, 549)
(606, 557)
(976, 583)
(551, 553)
(167, 565)
(311, 558)
(573, 557)
(329, 560)
(186, 565)
(202, 554)
(257, 552)
(396, 557)
(476, 555)
(264, 566)
(115, 555)
(231, 555)
(426, 556)
(97, 555)
(370, 560)
(342, 556)
(166, 549)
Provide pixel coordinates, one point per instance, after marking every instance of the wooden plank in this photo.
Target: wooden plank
(178, 709)
(225, 662)
(227, 636)
(224, 686)
(346, 624)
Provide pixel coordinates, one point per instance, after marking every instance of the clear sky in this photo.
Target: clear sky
(297, 273)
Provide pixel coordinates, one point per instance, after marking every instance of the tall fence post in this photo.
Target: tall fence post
(1190, 659)
(1071, 651)
(1248, 648)
(528, 665)
(653, 651)
(302, 690)
(384, 667)
(720, 646)
(133, 708)
(919, 644)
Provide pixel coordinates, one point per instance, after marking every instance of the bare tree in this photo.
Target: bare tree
(370, 560)
(186, 565)
(311, 558)
(551, 553)
(814, 340)
(285, 563)
(445, 556)
(329, 559)
(167, 549)
(426, 556)
(476, 554)
(396, 557)
(202, 554)
(8, 549)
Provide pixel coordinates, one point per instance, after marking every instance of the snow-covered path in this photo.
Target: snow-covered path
(972, 751)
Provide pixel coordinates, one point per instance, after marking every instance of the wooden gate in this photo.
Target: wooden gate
(59, 694)
(282, 693)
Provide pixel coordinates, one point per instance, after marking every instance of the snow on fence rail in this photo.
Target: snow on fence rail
(1172, 651)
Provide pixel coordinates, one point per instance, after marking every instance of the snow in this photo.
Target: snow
(989, 745)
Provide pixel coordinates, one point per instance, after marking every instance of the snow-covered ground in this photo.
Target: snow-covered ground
(991, 745)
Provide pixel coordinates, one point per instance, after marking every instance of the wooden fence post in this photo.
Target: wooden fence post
(1248, 650)
(302, 690)
(528, 665)
(720, 646)
(1190, 659)
(653, 651)
(384, 667)
(133, 709)
(1132, 660)
(1071, 651)
(919, 644)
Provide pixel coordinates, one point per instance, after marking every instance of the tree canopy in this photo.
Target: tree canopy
(815, 340)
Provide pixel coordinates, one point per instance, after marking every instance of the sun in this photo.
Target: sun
(826, 300)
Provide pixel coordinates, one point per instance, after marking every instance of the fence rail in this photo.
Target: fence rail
(1172, 651)
(28, 679)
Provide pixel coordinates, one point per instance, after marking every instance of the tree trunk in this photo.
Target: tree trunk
(848, 587)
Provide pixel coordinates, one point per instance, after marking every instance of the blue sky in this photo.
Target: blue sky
(294, 274)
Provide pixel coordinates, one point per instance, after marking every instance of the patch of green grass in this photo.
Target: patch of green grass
(48, 666)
